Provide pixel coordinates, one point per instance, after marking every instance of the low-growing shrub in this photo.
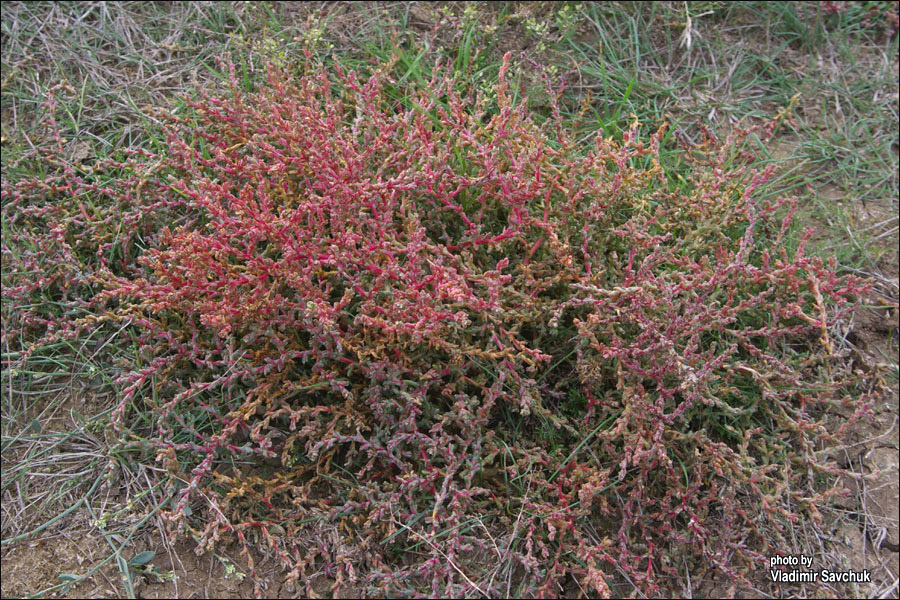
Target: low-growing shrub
(439, 346)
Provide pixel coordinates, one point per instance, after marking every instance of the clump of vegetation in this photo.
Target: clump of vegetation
(437, 345)
(881, 18)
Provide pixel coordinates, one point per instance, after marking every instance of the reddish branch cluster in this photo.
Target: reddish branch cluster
(371, 324)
